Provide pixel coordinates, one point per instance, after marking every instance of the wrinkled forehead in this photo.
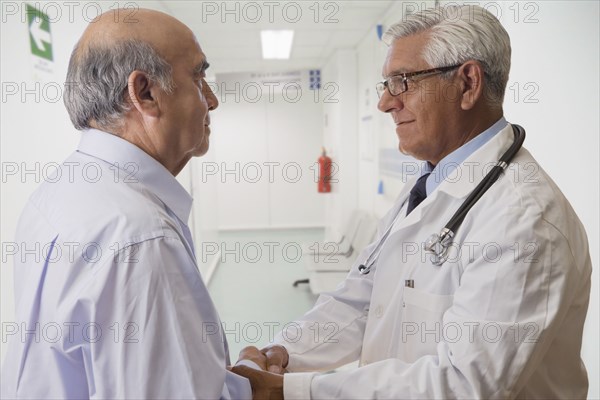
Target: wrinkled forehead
(189, 58)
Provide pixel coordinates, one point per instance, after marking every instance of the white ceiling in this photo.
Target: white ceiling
(234, 46)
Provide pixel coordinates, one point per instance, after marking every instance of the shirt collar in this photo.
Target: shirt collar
(449, 163)
(140, 167)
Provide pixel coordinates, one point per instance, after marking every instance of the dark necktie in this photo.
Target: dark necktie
(417, 193)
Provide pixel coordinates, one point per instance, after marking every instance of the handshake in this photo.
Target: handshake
(266, 382)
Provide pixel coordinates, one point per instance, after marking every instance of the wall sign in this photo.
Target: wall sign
(39, 33)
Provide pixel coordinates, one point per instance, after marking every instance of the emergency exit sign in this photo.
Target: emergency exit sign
(39, 33)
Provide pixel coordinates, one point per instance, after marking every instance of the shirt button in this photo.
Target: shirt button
(379, 311)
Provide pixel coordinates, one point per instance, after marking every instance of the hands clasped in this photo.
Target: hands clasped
(267, 383)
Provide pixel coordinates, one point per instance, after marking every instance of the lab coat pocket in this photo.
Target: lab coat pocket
(421, 327)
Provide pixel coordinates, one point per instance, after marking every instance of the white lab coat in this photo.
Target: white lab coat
(502, 318)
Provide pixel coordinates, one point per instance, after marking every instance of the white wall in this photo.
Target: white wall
(266, 149)
(341, 136)
(33, 131)
(557, 57)
(370, 53)
(203, 220)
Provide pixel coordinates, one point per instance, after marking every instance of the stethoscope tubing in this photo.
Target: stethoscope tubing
(455, 222)
(457, 219)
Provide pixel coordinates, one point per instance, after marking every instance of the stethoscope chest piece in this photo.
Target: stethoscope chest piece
(438, 245)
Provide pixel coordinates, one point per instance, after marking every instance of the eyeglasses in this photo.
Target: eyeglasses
(398, 84)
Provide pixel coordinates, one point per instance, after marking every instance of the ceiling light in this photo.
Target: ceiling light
(276, 44)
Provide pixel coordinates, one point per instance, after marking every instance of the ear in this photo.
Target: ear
(141, 93)
(471, 78)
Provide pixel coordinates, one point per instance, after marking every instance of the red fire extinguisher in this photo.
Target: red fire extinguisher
(324, 172)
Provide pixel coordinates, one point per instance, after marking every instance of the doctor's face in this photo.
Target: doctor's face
(426, 114)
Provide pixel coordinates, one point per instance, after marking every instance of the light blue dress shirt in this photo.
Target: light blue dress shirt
(448, 164)
(109, 299)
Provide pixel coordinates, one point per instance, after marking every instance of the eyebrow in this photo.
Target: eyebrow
(396, 72)
(201, 68)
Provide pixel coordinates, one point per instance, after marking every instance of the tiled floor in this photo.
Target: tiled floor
(252, 287)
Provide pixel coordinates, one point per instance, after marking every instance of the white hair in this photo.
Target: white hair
(458, 34)
(97, 80)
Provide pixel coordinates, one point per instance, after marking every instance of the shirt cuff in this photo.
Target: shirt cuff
(296, 386)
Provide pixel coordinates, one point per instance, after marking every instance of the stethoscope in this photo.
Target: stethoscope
(438, 244)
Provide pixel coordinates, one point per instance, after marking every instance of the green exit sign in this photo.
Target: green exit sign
(39, 33)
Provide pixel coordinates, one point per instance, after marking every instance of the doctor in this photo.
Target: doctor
(503, 316)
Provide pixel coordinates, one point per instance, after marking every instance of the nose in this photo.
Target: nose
(388, 103)
(211, 99)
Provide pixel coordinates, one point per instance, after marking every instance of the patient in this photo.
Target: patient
(114, 306)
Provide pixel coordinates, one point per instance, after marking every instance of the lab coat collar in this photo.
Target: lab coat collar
(472, 170)
(448, 164)
(391, 215)
(138, 167)
(463, 179)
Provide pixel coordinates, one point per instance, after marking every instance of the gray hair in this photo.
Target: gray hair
(458, 34)
(97, 81)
